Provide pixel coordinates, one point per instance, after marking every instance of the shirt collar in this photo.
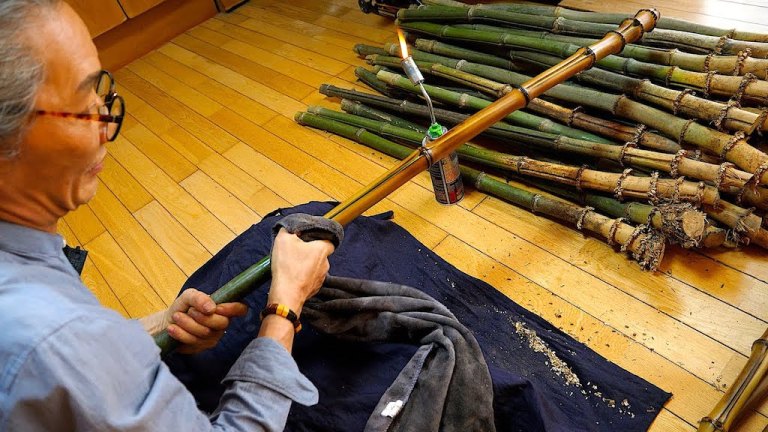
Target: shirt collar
(22, 240)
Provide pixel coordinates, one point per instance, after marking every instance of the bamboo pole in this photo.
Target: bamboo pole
(749, 385)
(465, 100)
(680, 223)
(739, 65)
(748, 88)
(621, 185)
(571, 117)
(645, 246)
(610, 129)
(733, 148)
(661, 37)
(724, 177)
(727, 115)
(419, 160)
(746, 227)
(610, 18)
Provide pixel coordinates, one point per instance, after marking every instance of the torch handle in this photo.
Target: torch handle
(613, 42)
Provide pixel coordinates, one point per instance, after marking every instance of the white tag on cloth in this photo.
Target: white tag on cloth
(392, 409)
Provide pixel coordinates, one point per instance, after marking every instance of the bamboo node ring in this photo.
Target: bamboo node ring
(676, 192)
(623, 39)
(738, 136)
(668, 77)
(525, 95)
(683, 131)
(578, 177)
(741, 58)
(674, 166)
(612, 230)
(721, 172)
(679, 100)
(708, 83)
(582, 216)
(745, 82)
(572, 116)
(757, 177)
(623, 153)
(653, 196)
(718, 123)
(720, 44)
(632, 237)
(556, 25)
(535, 203)
(707, 60)
(618, 191)
(654, 12)
(519, 164)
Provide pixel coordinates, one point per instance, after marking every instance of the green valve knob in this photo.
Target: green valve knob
(435, 131)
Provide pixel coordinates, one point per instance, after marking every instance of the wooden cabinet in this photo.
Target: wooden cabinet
(134, 8)
(99, 15)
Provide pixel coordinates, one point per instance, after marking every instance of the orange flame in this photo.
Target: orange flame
(403, 46)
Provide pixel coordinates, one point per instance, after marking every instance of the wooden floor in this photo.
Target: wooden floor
(210, 146)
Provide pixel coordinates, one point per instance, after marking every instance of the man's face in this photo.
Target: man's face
(60, 157)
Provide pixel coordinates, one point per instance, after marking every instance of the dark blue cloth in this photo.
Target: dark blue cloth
(351, 377)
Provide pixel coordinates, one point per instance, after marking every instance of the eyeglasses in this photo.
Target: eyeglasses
(111, 112)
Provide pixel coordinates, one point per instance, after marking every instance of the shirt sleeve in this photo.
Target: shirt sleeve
(106, 375)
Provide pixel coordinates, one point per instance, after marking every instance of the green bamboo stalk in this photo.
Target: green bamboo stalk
(746, 225)
(681, 223)
(369, 78)
(646, 247)
(632, 186)
(733, 148)
(358, 109)
(467, 101)
(661, 37)
(610, 18)
(728, 115)
(749, 88)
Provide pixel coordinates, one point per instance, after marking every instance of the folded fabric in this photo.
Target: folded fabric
(445, 386)
(581, 391)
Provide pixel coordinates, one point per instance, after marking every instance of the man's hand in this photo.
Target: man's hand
(194, 320)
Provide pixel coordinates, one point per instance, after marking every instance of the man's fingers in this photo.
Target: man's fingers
(232, 309)
(201, 301)
(189, 323)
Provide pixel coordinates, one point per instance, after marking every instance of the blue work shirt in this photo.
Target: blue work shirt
(67, 363)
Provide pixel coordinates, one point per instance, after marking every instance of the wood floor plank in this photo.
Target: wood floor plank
(164, 128)
(188, 211)
(158, 151)
(227, 208)
(286, 34)
(148, 257)
(227, 96)
(176, 241)
(275, 63)
(84, 224)
(286, 184)
(66, 232)
(123, 185)
(123, 277)
(195, 123)
(234, 72)
(317, 60)
(354, 29)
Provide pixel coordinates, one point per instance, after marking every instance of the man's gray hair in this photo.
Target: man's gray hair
(21, 71)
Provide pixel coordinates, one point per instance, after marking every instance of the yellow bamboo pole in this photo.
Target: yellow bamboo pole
(614, 41)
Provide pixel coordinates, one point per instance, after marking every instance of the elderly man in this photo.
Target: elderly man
(66, 362)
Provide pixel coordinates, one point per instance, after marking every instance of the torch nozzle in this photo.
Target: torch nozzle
(413, 72)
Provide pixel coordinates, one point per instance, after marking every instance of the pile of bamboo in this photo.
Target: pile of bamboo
(653, 146)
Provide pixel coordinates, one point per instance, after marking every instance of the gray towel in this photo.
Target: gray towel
(445, 386)
(311, 228)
